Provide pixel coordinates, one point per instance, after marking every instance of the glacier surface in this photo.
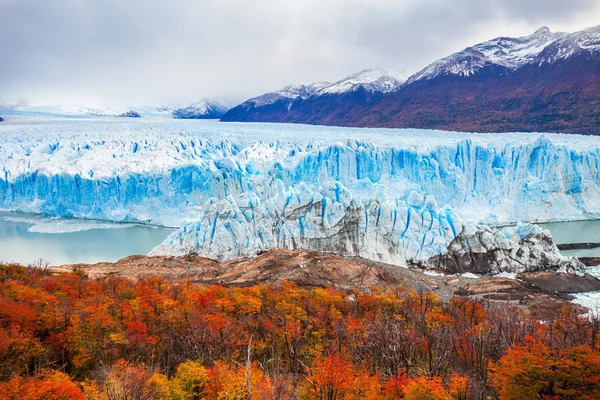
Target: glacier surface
(236, 189)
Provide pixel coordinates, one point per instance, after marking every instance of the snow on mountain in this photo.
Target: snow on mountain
(585, 41)
(236, 189)
(77, 110)
(204, 109)
(372, 80)
(287, 94)
(72, 110)
(504, 52)
(300, 103)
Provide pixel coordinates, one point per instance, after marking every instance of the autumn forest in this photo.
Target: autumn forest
(66, 336)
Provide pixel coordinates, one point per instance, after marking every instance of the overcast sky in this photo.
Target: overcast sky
(153, 52)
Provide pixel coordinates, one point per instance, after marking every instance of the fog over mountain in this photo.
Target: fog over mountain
(162, 52)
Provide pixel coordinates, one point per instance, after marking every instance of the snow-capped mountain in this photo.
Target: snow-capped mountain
(71, 110)
(79, 110)
(545, 82)
(286, 95)
(204, 109)
(585, 42)
(298, 102)
(372, 80)
(503, 53)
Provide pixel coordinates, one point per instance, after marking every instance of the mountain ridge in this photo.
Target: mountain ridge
(544, 82)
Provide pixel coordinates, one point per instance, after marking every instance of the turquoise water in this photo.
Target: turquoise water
(580, 232)
(576, 232)
(26, 238)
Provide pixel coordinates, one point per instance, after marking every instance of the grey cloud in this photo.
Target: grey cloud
(152, 52)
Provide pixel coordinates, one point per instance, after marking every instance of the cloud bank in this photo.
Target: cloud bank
(162, 52)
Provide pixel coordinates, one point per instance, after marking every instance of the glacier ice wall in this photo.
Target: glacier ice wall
(163, 173)
(327, 219)
(178, 173)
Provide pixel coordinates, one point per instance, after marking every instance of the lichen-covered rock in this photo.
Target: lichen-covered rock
(484, 250)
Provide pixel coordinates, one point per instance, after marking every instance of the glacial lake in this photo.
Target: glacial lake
(26, 238)
(576, 232)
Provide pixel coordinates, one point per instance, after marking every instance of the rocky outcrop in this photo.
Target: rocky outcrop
(524, 248)
(536, 292)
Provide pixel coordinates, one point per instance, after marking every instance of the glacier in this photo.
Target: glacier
(238, 189)
(330, 219)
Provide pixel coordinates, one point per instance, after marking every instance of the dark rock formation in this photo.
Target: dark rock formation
(561, 282)
(590, 261)
(486, 251)
(577, 246)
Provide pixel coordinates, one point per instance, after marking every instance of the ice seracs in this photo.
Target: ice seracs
(327, 219)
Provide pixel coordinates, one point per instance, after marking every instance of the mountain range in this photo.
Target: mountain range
(204, 109)
(544, 82)
(547, 81)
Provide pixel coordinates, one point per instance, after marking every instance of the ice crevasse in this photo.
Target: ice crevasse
(390, 195)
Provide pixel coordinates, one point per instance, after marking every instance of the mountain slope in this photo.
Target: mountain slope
(272, 106)
(494, 57)
(205, 109)
(543, 82)
(557, 90)
(317, 102)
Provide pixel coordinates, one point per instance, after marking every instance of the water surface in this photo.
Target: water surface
(576, 232)
(26, 238)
